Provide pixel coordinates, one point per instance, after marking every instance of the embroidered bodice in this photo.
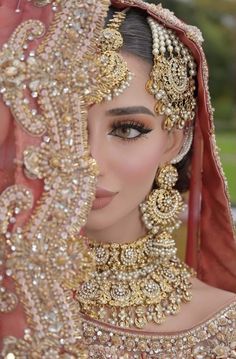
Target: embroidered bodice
(213, 338)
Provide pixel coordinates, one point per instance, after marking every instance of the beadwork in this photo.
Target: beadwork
(188, 139)
(163, 205)
(172, 78)
(46, 91)
(134, 284)
(213, 339)
(59, 329)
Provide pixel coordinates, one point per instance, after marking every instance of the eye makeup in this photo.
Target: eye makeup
(129, 130)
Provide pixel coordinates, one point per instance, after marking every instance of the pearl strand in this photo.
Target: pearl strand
(172, 78)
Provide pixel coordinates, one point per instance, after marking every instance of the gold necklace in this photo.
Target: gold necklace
(134, 284)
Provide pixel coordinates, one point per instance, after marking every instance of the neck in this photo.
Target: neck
(126, 230)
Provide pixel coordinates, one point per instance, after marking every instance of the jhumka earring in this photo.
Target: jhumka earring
(164, 203)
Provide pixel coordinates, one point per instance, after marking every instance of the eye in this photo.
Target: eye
(129, 130)
(126, 132)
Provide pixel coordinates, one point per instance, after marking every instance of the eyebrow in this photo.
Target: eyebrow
(121, 111)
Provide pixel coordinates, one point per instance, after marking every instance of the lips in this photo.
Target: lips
(102, 198)
(100, 193)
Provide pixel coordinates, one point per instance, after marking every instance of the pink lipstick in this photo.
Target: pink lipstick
(102, 198)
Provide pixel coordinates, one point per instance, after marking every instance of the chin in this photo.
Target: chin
(99, 220)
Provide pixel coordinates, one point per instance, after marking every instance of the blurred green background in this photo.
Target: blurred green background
(217, 21)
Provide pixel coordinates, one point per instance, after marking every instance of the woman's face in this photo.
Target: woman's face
(128, 143)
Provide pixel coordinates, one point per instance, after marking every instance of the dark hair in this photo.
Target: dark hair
(137, 39)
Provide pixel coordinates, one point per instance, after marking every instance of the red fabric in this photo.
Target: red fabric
(13, 140)
(211, 245)
(195, 199)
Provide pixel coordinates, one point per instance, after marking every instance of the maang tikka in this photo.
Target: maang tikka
(113, 74)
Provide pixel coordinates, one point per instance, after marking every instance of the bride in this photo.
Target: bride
(152, 139)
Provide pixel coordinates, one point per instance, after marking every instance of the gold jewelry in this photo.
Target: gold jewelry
(172, 78)
(144, 281)
(134, 284)
(163, 204)
(113, 75)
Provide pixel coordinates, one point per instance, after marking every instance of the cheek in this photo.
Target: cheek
(137, 165)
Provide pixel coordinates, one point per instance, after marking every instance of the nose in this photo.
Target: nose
(98, 149)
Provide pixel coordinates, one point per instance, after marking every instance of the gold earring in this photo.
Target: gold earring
(163, 205)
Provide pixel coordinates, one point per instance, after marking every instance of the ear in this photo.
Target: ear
(174, 144)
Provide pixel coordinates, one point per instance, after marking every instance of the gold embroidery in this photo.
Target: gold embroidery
(32, 249)
(196, 343)
(41, 88)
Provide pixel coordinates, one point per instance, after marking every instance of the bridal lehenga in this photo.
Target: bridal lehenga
(84, 299)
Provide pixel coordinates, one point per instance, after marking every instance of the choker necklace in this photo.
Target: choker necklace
(134, 284)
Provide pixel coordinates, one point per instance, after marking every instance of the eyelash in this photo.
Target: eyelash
(132, 125)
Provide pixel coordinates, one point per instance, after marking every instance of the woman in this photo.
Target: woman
(138, 299)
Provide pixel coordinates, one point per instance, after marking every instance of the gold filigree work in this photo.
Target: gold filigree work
(161, 209)
(134, 284)
(172, 78)
(114, 76)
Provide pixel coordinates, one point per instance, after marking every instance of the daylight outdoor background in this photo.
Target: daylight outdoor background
(217, 21)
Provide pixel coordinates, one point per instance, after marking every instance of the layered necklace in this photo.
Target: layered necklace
(134, 284)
